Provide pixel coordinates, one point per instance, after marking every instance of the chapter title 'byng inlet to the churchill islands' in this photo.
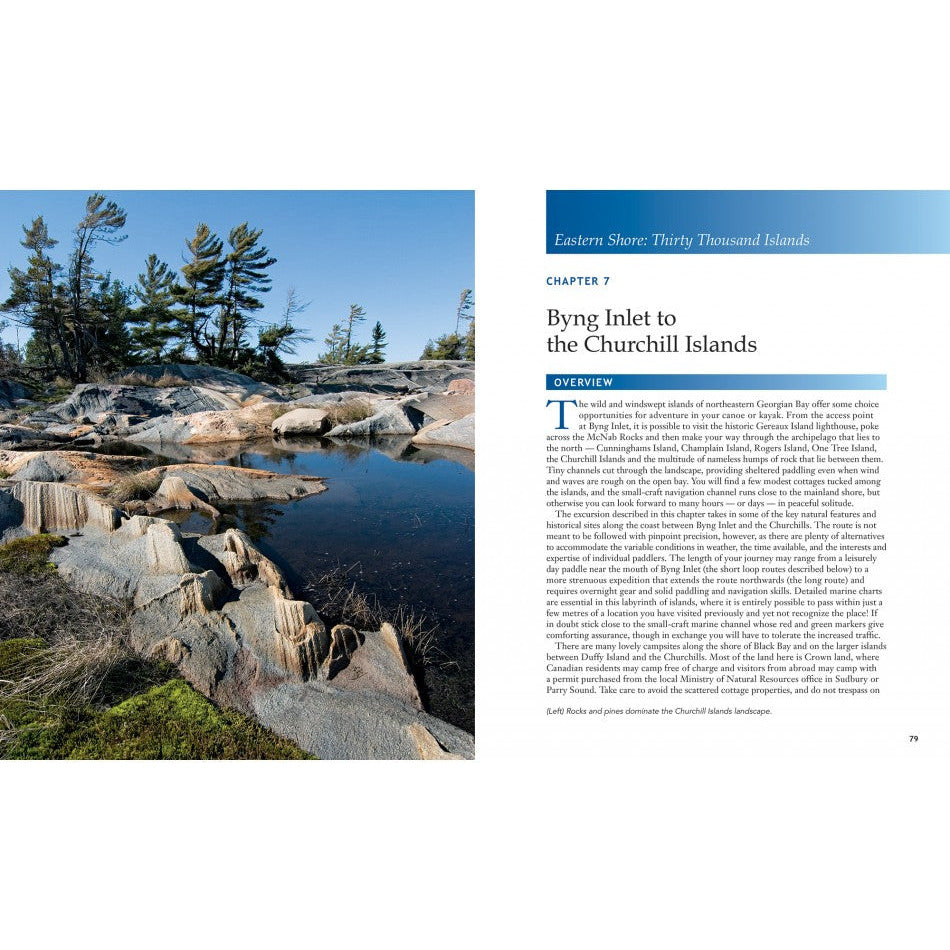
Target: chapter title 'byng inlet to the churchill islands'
(649, 332)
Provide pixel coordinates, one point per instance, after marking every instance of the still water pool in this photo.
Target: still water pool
(399, 520)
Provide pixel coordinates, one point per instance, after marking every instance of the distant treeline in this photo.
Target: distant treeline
(457, 345)
(84, 323)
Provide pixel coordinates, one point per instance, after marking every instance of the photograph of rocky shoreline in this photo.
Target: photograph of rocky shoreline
(219, 553)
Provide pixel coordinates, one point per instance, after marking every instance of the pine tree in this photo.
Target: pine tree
(199, 292)
(281, 337)
(245, 277)
(101, 224)
(376, 353)
(468, 347)
(109, 303)
(446, 347)
(37, 301)
(335, 342)
(155, 320)
(351, 352)
(464, 310)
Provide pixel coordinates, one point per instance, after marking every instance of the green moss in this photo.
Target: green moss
(138, 709)
(14, 654)
(171, 721)
(29, 557)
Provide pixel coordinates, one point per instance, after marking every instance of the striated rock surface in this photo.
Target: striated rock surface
(174, 494)
(443, 407)
(225, 483)
(388, 378)
(375, 664)
(450, 418)
(222, 613)
(325, 399)
(399, 417)
(303, 421)
(334, 724)
(55, 507)
(115, 405)
(236, 386)
(242, 562)
(234, 425)
(217, 406)
(11, 434)
(86, 468)
(460, 433)
(461, 386)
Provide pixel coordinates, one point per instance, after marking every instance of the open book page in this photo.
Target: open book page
(733, 493)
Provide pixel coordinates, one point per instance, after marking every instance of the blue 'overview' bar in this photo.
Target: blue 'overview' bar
(748, 222)
(583, 383)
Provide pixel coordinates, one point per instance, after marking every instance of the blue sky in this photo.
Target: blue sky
(404, 256)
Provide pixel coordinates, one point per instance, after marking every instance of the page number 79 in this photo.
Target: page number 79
(914, 738)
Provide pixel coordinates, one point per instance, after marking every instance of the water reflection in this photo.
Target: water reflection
(397, 448)
(398, 517)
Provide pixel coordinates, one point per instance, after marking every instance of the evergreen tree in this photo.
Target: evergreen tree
(468, 348)
(351, 352)
(335, 342)
(281, 337)
(446, 347)
(245, 277)
(109, 304)
(464, 310)
(11, 360)
(199, 293)
(37, 301)
(155, 320)
(101, 224)
(376, 353)
(341, 347)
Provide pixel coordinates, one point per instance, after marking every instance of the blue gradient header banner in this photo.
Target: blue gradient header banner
(748, 222)
(765, 381)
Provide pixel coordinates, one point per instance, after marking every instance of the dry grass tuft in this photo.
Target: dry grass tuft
(338, 599)
(165, 381)
(353, 410)
(45, 606)
(84, 656)
(419, 640)
(72, 671)
(137, 486)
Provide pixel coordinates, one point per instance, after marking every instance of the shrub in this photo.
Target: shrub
(281, 409)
